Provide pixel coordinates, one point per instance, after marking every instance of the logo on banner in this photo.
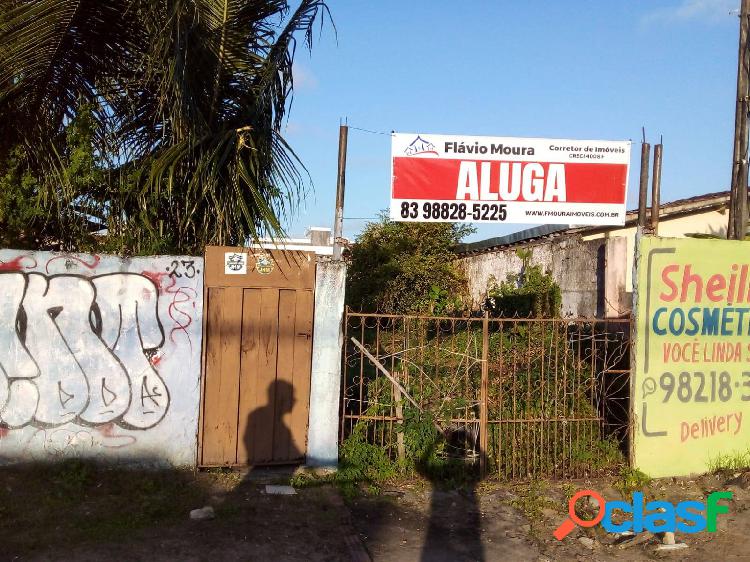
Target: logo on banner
(420, 146)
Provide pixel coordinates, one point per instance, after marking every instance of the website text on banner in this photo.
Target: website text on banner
(449, 178)
(692, 378)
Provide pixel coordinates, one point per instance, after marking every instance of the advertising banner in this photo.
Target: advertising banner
(451, 178)
(691, 387)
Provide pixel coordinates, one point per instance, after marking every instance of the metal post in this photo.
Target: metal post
(643, 191)
(738, 199)
(483, 392)
(656, 188)
(338, 227)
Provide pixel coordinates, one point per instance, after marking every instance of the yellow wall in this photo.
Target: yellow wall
(691, 387)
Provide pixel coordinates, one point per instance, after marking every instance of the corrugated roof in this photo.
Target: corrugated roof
(520, 236)
(671, 208)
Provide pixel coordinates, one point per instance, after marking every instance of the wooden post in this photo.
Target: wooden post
(399, 419)
(338, 225)
(643, 188)
(393, 380)
(737, 226)
(656, 189)
(483, 392)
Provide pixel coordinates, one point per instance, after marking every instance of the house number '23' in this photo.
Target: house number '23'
(182, 268)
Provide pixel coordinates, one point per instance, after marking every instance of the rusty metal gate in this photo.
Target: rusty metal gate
(518, 397)
(257, 357)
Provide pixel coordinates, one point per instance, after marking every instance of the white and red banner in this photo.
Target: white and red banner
(451, 178)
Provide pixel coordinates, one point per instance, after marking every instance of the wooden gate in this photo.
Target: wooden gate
(257, 360)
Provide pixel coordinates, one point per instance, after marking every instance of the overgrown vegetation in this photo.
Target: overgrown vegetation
(529, 293)
(407, 268)
(31, 217)
(545, 392)
(160, 122)
(368, 465)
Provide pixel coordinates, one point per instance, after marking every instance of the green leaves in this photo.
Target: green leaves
(400, 267)
(529, 293)
(186, 99)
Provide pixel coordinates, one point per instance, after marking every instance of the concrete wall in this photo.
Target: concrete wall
(325, 384)
(617, 301)
(707, 222)
(595, 272)
(573, 263)
(100, 357)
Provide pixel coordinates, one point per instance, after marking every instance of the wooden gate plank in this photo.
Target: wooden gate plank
(222, 371)
(263, 415)
(285, 395)
(250, 395)
(209, 453)
(303, 328)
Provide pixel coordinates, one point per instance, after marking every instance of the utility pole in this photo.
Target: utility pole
(338, 226)
(643, 185)
(656, 188)
(738, 198)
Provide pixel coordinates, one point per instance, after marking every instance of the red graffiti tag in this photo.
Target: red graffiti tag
(156, 277)
(114, 440)
(180, 295)
(16, 264)
(94, 261)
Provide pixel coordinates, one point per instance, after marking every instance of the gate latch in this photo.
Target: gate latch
(303, 335)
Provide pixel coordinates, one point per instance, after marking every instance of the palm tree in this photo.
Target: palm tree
(188, 98)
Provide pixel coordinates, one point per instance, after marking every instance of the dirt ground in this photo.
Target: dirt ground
(504, 522)
(81, 513)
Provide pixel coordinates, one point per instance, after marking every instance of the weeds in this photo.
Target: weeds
(531, 500)
(366, 467)
(731, 462)
(631, 480)
(597, 456)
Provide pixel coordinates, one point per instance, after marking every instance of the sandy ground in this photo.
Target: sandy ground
(405, 521)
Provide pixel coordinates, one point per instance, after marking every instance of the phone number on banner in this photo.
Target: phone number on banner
(444, 211)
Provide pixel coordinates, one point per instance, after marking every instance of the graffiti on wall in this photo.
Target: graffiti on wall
(99, 356)
(79, 350)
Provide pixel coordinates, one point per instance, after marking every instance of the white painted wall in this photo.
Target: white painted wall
(100, 357)
(325, 383)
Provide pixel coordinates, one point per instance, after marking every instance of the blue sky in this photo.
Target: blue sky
(574, 69)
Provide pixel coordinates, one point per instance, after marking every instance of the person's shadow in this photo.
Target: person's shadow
(270, 438)
(454, 530)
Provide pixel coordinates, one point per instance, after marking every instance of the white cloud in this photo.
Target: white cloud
(304, 79)
(692, 10)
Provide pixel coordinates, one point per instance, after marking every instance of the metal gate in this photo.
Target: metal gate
(518, 397)
(257, 358)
